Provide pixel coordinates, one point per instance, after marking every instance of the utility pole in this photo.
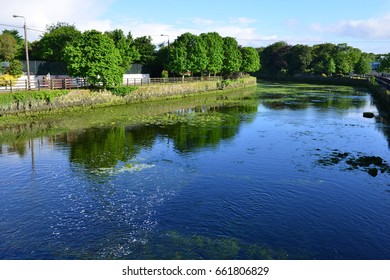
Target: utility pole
(26, 47)
(169, 51)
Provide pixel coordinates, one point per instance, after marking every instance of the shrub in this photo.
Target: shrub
(123, 90)
(5, 80)
(164, 74)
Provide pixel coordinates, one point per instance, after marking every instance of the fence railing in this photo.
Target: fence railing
(66, 83)
(148, 81)
(72, 83)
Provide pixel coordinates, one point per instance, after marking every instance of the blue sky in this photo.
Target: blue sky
(362, 24)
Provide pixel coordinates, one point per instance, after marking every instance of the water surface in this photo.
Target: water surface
(286, 171)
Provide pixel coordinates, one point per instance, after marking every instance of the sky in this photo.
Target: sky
(256, 23)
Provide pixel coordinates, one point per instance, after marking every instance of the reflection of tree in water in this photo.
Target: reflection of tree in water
(104, 147)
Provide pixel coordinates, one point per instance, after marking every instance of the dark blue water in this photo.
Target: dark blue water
(277, 179)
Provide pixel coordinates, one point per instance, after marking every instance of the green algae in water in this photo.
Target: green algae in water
(174, 245)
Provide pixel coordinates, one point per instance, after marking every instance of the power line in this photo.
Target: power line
(29, 28)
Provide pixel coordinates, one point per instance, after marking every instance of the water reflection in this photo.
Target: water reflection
(105, 147)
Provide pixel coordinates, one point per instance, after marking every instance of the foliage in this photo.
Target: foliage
(214, 51)
(15, 68)
(124, 44)
(53, 42)
(273, 58)
(123, 90)
(298, 59)
(145, 48)
(31, 96)
(8, 47)
(363, 66)
(250, 60)
(232, 56)
(164, 74)
(95, 57)
(385, 63)
(197, 55)
(7, 79)
(178, 63)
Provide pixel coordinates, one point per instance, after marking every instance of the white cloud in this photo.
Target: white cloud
(242, 20)
(374, 28)
(41, 13)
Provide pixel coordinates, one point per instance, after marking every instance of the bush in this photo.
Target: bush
(5, 80)
(123, 90)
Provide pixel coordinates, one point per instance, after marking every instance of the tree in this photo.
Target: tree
(385, 63)
(323, 58)
(197, 55)
(123, 44)
(95, 57)
(178, 63)
(273, 58)
(53, 42)
(214, 51)
(8, 47)
(298, 59)
(250, 60)
(363, 66)
(145, 48)
(346, 58)
(232, 56)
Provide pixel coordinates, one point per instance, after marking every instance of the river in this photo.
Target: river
(280, 171)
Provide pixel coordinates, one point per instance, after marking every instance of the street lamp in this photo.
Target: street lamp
(169, 51)
(26, 47)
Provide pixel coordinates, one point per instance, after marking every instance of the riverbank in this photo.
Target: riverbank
(36, 102)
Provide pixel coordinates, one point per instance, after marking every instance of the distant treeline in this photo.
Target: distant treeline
(281, 59)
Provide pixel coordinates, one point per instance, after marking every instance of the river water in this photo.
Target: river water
(286, 171)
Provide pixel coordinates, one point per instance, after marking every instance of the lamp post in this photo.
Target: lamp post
(26, 47)
(169, 52)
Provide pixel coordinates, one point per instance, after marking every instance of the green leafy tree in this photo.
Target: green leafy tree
(124, 44)
(95, 57)
(298, 59)
(250, 60)
(197, 55)
(145, 48)
(322, 54)
(385, 63)
(273, 58)
(346, 58)
(8, 47)
(53, 42)
(178, 62)
(214, 50)
(363, 66)
(232, 56)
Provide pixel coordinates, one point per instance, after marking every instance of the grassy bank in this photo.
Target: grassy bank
(51, 100)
